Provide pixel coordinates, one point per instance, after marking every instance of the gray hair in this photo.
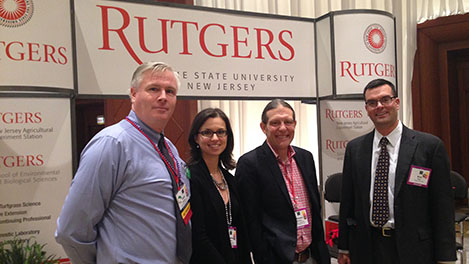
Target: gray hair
(154, 67)
(274, 104)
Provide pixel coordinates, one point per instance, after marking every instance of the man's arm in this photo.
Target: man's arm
(346, 200)
(442, 202)
(88, 198)
(250, 193)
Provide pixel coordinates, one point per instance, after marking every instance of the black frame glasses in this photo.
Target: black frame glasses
(221, 133)
(385, 100)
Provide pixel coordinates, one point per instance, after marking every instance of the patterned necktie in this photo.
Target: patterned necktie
(183, 231)
(380, 213)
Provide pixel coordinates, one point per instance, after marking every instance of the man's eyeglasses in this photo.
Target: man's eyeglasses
(386, 100)
(209, 133)
(277, 123)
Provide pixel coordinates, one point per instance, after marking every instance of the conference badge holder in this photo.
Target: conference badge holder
(233, 236)
(301, 218)
(419, 176)
(182, 198)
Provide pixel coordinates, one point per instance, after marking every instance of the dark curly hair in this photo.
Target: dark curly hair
(226, 157)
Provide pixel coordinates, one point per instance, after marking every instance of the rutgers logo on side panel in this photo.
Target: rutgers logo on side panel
(375, 38)
(15, 13)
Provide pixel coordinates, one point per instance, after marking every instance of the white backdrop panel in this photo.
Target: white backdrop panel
(217, 54)
(37, 52)
(35, 167)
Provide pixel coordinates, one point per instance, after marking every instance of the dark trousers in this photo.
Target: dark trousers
(384, 247)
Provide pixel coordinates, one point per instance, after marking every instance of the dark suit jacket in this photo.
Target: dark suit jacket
(210, 240)
(269, 210)
(424, 217)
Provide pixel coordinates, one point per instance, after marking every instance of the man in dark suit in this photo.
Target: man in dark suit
(397, 203)
(279, 194)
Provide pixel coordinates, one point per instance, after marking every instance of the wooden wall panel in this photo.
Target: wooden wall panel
(436, 87)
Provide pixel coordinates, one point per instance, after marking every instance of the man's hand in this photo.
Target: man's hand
(344, 258)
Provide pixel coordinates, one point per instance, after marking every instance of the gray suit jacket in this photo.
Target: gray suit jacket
(424, 217)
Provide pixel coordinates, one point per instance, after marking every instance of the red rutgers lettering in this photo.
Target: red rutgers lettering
(164, 35)
(35, 52)
(215, 40)
(203, 44)
(266, 45)
(286, 45)
(21, 161)
(343, 114)
(185, 41)
(20, 117)
(237, 41)
(354, 70)
(334, 145)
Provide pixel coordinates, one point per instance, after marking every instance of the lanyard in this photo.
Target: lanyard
(290, 179)
(173, 172)
(229, 216)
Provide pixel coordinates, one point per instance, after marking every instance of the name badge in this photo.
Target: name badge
(419, 176)
(182, 198)
(233, 236)
(301, 218)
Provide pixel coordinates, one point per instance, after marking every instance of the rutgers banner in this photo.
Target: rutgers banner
(35, 167)
(340, 122)
(217, 54)
(36, 44)
(359, 46)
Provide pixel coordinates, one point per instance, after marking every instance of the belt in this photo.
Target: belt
(303, 256)
(383, 231)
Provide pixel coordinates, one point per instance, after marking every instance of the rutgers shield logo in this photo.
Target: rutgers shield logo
(15, 13)
(375, 38)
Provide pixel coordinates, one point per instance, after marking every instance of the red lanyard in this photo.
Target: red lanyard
(290, 181)
(173, 172)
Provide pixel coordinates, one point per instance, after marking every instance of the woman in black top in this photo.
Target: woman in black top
(218, 229)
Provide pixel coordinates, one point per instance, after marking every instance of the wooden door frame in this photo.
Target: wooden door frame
(430, 89)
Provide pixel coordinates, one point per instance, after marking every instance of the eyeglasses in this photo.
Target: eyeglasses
(277, 123)
(386, 100)
(209, 133)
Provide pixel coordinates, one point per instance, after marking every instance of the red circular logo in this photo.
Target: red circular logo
(375, 38)
(15, 13)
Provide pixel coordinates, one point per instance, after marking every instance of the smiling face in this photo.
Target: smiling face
(280, 128)
(212, 146)
(384, 117)
(154, 99)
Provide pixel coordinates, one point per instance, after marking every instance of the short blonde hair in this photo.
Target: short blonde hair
(154, 67)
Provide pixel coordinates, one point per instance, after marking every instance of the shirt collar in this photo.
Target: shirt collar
(393, 137)
(291, 152)
(155, 136)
